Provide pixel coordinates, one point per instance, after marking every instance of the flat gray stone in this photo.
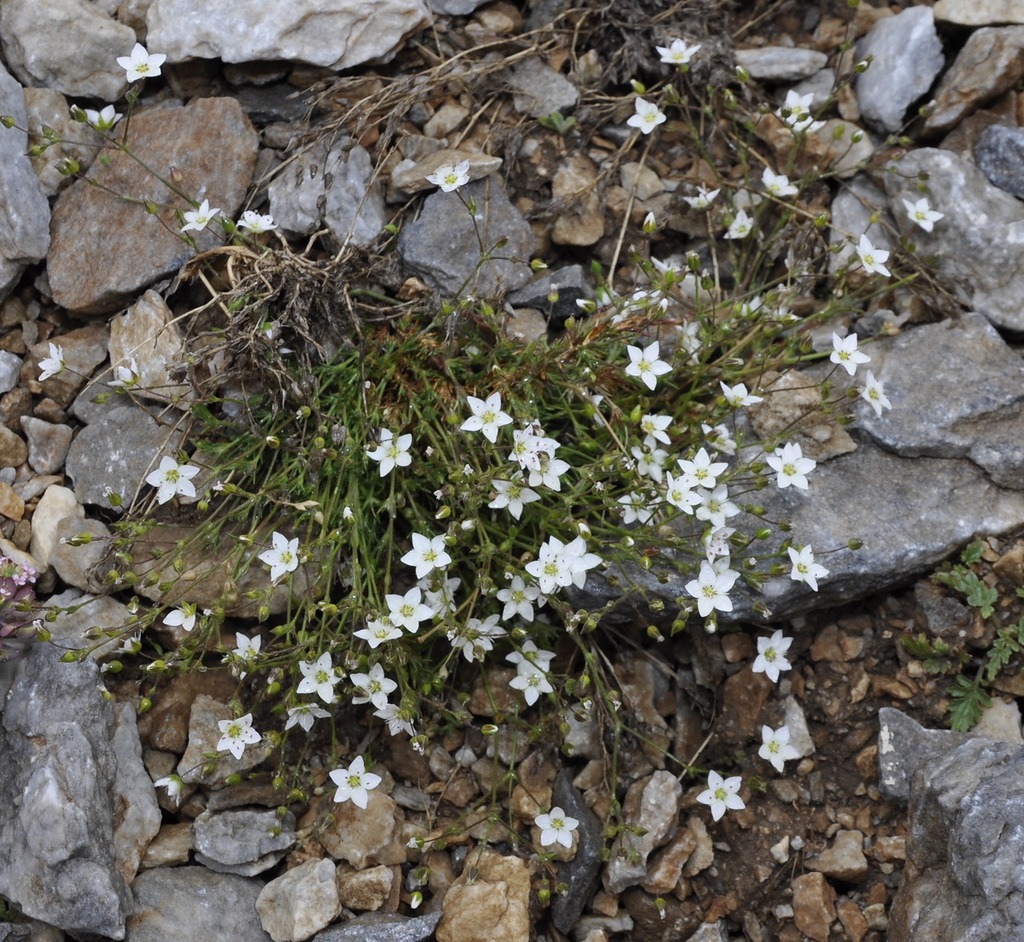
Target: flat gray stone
(246, 841)
(382, 927)
(781, 63)
(999, 154)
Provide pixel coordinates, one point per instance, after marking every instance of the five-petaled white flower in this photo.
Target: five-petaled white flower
(53, 364)
(703, 199)
(319, 677)
(796, 114)
(391, 452)
(556, 827)
(427, 554)
(141, 64)
(873, 392)
(646, 364)
(777, 183)
(655, 426)
(235, 735)
(304, 715)
(737, 396)
(487, 416)
(701, 471)
(377, 631)
(771, 655)
(791, 465)
(172, 479)
(921, 214)
(711, 589)
(678, 53)
(513, 495)
(531, 679)
(183, 617)
(518, 598)
(255, 222)
(125, 376)
(407, 611)
(354, 783)
(805, 569)
(373, 687)
(647, 117)
(450, 176)
(741, 226)
(776, 747)
(846, 354)
(872, 258)
(722, 794)
(102, 120)
(282, 557)
(199, 219)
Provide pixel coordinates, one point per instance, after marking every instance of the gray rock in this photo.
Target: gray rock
(58, 788)
(538, 89)
(84, 349)
(999, 154)
(48, 444)
(337, 34)
(176, 903)
(443, 246)
(10, 370)
(245, 841)
(781, 63)
(711, 932)
(965, 839)
(57, 504)
(301, 902)
(581, 873)
(203, 736)
(986, 274)
(852, 210)
(987, 66)
(24, 225)
(820, 86)
(35, 45)
(118, 454)
(653, 804)
(137, 814)
(80, 614)
(49, 108)
(332, 186)
(979, 12)
(454, 7)
(896, 501)
(105, 251)
(78, 563)
(907, 56)
(382, 927)
(569, 283)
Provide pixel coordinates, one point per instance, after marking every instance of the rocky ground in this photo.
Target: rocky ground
(879, 830)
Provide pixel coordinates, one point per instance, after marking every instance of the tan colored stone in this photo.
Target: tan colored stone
(844, 860)
(11, 505)
(365, 890)
(170, 847)
(813, 905)
(489, 902)
(364, 836)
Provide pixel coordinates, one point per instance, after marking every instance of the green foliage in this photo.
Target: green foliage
(558, 122)
(968, 701)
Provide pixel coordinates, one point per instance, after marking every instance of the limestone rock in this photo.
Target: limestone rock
(300, 902)
(653, 804)
(203, 735)
(813, 906)
(337, 34)
(84, 349)
(979, 12)
(367, 889)
(365, 836)
(844, 860)
(492, 907)
(382, 927)
(999, 154)
(245, 841)
(781, 63)
(49, 108)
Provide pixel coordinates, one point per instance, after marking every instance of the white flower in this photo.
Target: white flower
(235, 735)
(450, 176)
(373, 687)
(796, 115)
(518, 598)
(711, 589)
(377, 631)
(304, 715)
(53, 364)
(655, 427)
(722, 794)
(354, 783)
(407, 611)
(141, 64)
(531, 654)
(872, 258)
(396, 720)
(874, 393)
(477, 637)
(173, 784)
(282, 557)
(805, 569)
(791, 466)
(719, 438)
(646, 364)
(716, 543)
(559, 564)
(771, 655)
(391, 452)
(637, 507)
(427, 554)
(487, 416)
(199, 219)
(255, 222)
(678, 53)
(650, 460)
(531, 680)
(247, 648)
(183, 617)
(737, 396)
(921, 214)
(846, 354)
(556, 827)
(125, 376)
(548, 472)
(513, 495)
(777, 183)
(715, 506)
(680, 494)
(319, 677)
(703, 199)
(776, 747)
(741, 226)
(172, 479)
(102, 120)
(701, 470)
(647, 116)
